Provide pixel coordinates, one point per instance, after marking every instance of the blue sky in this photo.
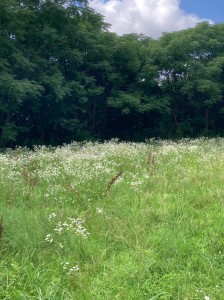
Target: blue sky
(211, 9)
(154, 17)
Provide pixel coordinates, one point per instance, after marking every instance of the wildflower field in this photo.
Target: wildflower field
(112, 221)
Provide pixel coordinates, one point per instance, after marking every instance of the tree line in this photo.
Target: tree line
(64, 77)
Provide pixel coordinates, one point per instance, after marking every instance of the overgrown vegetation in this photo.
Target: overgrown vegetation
(64, 77)
(113, 221)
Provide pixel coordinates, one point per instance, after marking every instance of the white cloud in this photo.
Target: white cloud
(150, 17)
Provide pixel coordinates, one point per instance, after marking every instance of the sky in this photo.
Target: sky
(153, 17)
(212, 9)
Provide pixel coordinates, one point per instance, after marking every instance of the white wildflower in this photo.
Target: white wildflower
(99, 210)
(51, 216)
(49, 238)
(73, 269)
(65, 265)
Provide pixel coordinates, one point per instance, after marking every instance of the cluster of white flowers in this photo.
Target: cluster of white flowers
(72, 224)
(68, 269)
(73, 269)
(205, 296)
(51, 216)
(49, 238)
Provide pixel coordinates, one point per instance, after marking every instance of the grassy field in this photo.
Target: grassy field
(113, 221)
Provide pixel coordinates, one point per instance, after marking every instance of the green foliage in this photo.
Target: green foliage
(64, 76)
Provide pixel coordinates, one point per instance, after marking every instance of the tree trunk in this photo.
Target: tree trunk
(93, 117)
(206, 119)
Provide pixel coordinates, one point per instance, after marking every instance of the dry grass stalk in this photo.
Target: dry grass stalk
(150, 162)
(12, 196)
(29, 179)
(112, 181)
(74, 190)
(34, 180)
(25, 176)
(1, 227)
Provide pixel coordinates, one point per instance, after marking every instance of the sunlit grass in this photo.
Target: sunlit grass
(113, 221)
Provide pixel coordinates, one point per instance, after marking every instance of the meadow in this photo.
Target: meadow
(113, 220)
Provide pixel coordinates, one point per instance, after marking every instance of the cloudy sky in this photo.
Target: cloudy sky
(153, 17)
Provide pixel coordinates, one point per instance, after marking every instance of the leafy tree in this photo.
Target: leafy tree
(63, 76)
(44, 44)
(187, 74)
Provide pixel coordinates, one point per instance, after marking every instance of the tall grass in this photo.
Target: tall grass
(113, 221)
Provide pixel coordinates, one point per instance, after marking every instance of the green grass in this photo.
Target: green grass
(74, 229)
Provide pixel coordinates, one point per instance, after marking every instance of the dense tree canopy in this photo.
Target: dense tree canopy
(64, 76)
